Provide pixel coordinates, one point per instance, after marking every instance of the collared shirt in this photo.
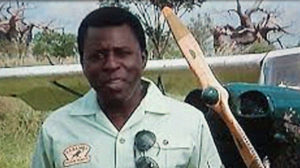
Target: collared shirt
(81, 135)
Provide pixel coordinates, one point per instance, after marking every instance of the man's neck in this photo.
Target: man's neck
(119, 113)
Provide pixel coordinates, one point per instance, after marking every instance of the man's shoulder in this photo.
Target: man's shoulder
(183, 110)
(62, 114)
(183, 118)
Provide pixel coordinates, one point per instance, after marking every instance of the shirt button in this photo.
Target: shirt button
(165, 142)
(122, 140)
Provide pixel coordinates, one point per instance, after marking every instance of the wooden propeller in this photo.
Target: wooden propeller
(194, 56)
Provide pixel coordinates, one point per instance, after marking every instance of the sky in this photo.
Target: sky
(69, 14)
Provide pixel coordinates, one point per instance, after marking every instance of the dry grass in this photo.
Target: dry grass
(18, 128)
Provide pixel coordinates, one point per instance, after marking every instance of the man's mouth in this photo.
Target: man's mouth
(114, 84)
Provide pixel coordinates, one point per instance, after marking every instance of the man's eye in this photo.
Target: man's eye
(100, 55)
(123, 53)
(127, 52)
(96, 57)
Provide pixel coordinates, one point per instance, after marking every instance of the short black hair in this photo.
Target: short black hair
(110, 16)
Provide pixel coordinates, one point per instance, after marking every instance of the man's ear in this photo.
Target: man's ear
(144, 58)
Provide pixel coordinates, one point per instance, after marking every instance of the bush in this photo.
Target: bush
(259, 47)
(55, 44)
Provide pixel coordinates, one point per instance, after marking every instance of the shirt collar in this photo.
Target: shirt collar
(153, 102)
(86, 105)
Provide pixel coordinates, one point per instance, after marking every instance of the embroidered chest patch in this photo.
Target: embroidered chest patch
(76, 154)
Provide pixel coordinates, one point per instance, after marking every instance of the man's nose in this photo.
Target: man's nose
(111, 62)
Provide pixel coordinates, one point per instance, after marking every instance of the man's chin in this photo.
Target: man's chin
(113, 98)
(114, 102)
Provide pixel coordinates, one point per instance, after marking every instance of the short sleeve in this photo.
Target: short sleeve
(42, 157)
(205, 154)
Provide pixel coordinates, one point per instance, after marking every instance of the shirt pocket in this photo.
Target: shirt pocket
(176, 151)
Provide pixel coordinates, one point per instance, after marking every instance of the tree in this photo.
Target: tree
(201, 28)
(60, 45)
(156, 29)
(236, 39)
(15, 31)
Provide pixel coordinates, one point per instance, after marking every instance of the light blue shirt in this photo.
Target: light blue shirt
(80, 135)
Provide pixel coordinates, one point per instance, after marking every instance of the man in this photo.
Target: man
(124, 121)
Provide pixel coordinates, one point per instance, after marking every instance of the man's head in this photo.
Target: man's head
(112, 45)
(111, 16)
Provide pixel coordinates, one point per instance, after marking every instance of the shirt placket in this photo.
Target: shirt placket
(125, 139)
(119, 150)
(124, 150)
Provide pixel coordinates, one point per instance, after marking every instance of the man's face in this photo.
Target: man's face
(113, 63)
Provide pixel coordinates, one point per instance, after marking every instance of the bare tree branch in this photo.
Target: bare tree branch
(249, 32)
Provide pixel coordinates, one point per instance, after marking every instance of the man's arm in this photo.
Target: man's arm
(42, 157)
(205, 153)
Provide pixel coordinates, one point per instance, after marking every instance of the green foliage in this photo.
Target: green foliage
(258, 47)
(172, 51)
(156, 29)
(54, 44)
